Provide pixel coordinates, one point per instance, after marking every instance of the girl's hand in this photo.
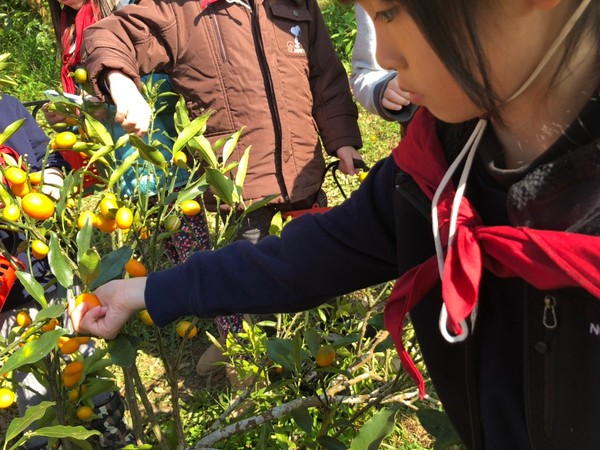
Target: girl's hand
(133, 112)
(119, 298)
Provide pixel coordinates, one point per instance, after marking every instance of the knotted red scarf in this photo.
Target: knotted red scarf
(544, 259)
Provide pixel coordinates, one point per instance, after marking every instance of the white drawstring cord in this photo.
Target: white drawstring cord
(469, 151)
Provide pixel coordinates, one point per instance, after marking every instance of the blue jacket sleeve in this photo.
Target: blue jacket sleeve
(29, 140)
(318, 257)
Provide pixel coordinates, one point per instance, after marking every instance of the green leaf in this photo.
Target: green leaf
(438, 425)
(280, 352)
(331, 443)
(222, 186)
(100, 153)
(33, 351)
(9, 130)
(32, 414)
(5, 80)
(124, 167)
(6, 198)
(89, 266)
(240, 176)
(386, 344)
(194, 128)
(377, 321)
(259, 204)
(96, 129)
(96, 362)
(84, 239)
(303, 419)
(181, 116)
(112, 266)
(32, 286)
(343, 341)
(51, 312)
(64, 431)
(276, 225)
(193, 191)
(264, 438)
(313, 340)
(147, 152)
(98, 386)
(375, 430)
(122, 350)
(230, 145)
(202, 146)
(298, 353)
(122, 141)
(59, 263)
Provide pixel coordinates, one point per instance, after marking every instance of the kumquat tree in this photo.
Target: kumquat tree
(326, 378)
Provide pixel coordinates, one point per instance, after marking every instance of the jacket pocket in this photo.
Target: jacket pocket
(563, 392)
(291, 28)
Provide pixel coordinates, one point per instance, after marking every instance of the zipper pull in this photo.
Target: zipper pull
(550, 322)
(549, 318)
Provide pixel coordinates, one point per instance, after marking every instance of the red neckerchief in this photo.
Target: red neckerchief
(86, 16)
(545, 259)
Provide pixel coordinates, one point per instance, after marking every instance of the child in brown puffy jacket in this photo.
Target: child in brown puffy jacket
(267, 66)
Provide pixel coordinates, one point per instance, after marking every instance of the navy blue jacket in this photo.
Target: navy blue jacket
(29, 139)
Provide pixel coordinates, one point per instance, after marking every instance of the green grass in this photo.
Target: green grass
(30, 41)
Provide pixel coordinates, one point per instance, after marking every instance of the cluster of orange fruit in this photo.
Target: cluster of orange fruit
(17, 180)
(111, 216)
(71, 375)
(36, 205)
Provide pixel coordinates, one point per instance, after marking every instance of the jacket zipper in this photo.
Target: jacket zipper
(469, 389)
(271, 99)
(218, 33)
(550, 322)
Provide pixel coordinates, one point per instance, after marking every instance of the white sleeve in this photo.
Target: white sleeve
(366, 73)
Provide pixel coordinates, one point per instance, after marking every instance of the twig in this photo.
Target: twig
(132, 404)
(286, 408)
(148, 406)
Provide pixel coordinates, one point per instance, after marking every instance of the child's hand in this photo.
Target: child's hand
(52, 117)
(53, 182)
(133, 112)
(393, 97)
(347, 155)
(119, 298)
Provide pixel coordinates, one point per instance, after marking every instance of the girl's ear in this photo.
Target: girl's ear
(545, 4)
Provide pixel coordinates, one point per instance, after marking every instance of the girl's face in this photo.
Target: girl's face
(75, 4)
(402, 46)
(513, 39)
